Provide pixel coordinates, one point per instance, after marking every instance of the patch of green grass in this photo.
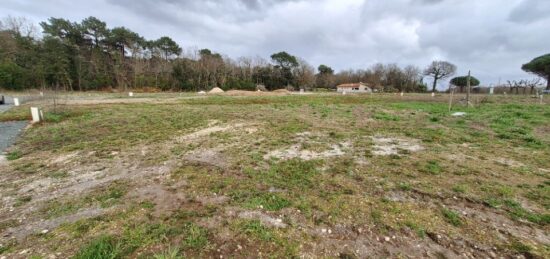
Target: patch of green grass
(147, 204)
(55, 117)
(112, 195)
(196, 237)
(29, 168)
(58, 174)
(255, 229)
(140, 234)
(294, 173)
(386, 117)
(55, 209)
(460, 188)
(405, 186)
(267, 201)
(22, 200)
(520, 247)
(170, 253)
(420, 231)
(81, 227)
(103, 247)
(14, 155)
(432, 167)
(452, 217)
(517, 211)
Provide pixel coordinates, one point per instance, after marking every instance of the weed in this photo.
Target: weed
(170, 253)
(405, 186)
(452, 217)
(196, 237)
(14, 155)
(267, 201)
(459, 188)
(420, 231)
(386, 117)
(520, 247)
(255, 229)
(22, 200)
(104, 247)
(432, 167)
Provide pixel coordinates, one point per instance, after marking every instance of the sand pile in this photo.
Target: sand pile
(242, 93)
(216, 90)
(282, 91)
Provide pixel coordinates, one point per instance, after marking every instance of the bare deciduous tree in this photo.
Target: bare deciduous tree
(439, 70)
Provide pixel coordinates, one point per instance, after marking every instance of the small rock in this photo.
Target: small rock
(324, 230)
(330, 231)
(45, 231)
(458, 114)
(239, 247)
(387, 239)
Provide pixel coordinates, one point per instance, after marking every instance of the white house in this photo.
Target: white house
(354, 88)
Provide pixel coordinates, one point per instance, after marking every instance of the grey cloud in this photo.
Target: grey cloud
(529, 11)
(491, 37)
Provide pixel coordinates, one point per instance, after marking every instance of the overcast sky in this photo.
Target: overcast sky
(493, 38)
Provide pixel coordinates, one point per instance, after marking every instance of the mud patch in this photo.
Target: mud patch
(208, 156)
(165, 201)
(214, 200)
(386, 146)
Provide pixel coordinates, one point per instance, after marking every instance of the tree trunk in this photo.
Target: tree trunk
(434, 85)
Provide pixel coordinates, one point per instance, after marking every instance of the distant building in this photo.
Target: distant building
(354, 88)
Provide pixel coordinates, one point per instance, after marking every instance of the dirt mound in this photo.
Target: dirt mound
(242, 93)
(254, 93)
(282, 91)
(216, 90)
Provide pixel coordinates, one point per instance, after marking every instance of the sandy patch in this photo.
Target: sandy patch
(385, 146)
(207, 156)
(165, 201)
(214, 129)
(295, 151)
(265, 219)
(64, 159)
(508, 162)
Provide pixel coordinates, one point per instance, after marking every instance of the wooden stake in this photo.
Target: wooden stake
(468, 91)
(452, 90)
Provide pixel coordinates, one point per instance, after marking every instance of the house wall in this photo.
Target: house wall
(362, 89)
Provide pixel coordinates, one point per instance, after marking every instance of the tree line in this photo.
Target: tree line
(88, 55)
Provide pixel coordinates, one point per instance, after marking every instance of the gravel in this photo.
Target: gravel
(9, 132)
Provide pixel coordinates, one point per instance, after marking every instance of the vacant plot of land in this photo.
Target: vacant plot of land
(280, 176)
